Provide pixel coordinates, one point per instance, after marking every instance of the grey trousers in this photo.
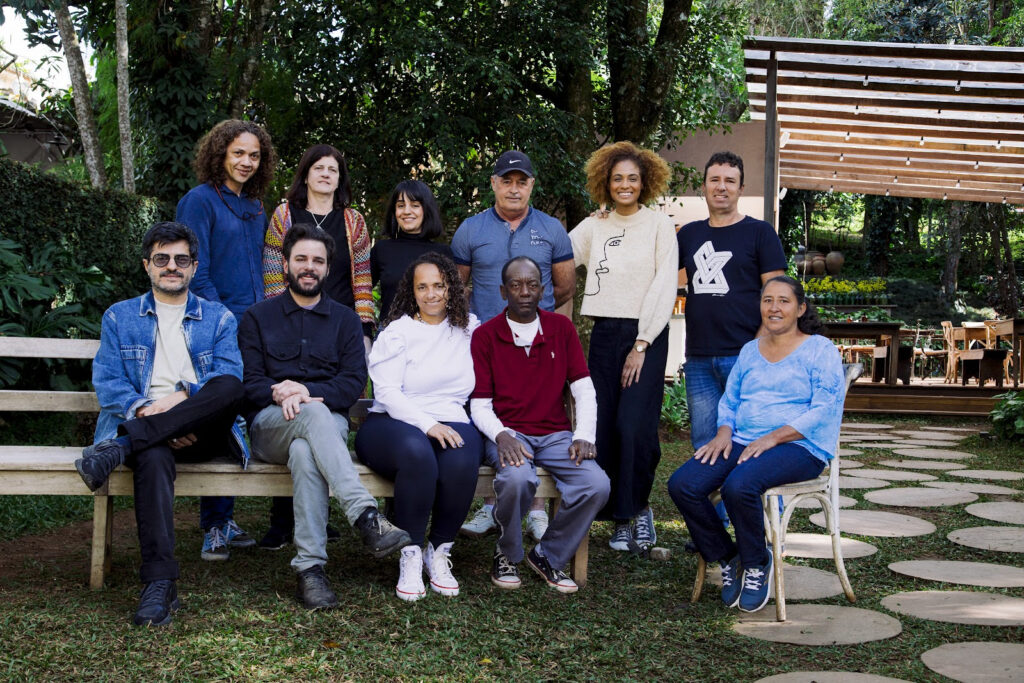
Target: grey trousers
(313, 445)
(584, 488)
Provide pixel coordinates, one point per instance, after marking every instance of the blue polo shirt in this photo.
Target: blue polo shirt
(485, 242)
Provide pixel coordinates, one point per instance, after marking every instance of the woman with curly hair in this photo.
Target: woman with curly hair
(418, 433)
(631, 260)
(235, 165)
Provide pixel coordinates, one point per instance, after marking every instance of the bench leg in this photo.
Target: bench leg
(579, 561)
(102, 532)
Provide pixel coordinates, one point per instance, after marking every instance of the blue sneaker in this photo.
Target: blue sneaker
(235, 536)
(731, 581)
(215, 547)
(757, 584)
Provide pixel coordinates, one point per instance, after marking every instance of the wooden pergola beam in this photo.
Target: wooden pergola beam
(962, 169)
(890, 180)
(858, 142)
(996, 183)
(874, 85)
(757, 111)
(963, 105)
(791, 124)
(937, 71)
(888, 50)
(858, 187)
(921, 154)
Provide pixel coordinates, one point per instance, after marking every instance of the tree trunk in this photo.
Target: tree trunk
(259, 10)
(83, 102)
(957, 213)
(575, 93)
(124, 124)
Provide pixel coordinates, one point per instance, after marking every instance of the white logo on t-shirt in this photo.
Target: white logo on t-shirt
(709, 278)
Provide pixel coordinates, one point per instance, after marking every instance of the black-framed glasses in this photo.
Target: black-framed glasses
(180, 260)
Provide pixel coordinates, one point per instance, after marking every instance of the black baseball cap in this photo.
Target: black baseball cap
(513, 160)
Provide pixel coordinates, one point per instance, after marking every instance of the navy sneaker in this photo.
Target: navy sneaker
(757, 584)
(235, 536)
(731, 583)
(158, 600)
(99, 460)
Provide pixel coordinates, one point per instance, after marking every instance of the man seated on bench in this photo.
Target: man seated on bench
(305, 365)
(168, 379)
(522, 361)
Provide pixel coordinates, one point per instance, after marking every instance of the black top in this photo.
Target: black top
(321, 347)
(390, 258)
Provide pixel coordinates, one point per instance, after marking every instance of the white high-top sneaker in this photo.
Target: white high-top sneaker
(410, 574)
(439, 569)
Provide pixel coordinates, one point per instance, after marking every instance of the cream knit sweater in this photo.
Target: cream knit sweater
(632, 268)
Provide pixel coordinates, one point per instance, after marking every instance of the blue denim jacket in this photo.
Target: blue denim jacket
(123, 367)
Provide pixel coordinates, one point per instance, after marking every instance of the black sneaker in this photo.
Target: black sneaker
(379, 535)
(275, 539)
(504, 574)
(555, 578)
(333, 534)
(99, 460)
(313, 591)
(158, 600)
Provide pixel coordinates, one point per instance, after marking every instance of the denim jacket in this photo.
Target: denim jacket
(123, 367)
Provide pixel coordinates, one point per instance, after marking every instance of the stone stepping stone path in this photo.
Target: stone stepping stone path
(928, 442)
(819, 625)
(864, 425)
(802, 583)
(895, 475)
(921, 464)
(966, 430)
(878, 523)
(919, 497)
(847, 452)
(870, 437)
(1008, 513)
(990, 475)
(978, 662)
(812, 504)
(885, 445)
(845, 464)
(829, 677)
(966, 573)
(819, 546)
(959, 607)
(937, 436)
(1005, 539)
(934, 453)
(861, 483)
(986, 489)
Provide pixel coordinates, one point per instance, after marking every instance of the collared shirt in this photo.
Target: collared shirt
(485, 242)
(526, 390)
(320, 347)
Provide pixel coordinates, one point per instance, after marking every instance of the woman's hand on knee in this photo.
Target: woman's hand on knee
(721, 445)
(757, 447)
(446, 436)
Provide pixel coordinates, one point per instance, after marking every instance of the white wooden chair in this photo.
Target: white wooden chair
(824, 489)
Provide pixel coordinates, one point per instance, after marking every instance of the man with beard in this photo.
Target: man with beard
(168, 378)
(304, 367)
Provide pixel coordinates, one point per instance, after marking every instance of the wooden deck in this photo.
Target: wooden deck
(929, 396)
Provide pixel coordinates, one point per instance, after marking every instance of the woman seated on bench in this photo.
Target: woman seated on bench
(418, 433)
(778, 423)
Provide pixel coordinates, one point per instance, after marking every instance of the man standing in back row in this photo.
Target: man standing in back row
(724, 261)
(481, 247)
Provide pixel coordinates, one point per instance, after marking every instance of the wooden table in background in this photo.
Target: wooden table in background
(884, 334)
(1012, 330)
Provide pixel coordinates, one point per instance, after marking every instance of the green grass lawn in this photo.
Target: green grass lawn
(632, 621)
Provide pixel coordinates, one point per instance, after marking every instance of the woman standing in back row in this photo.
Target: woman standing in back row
(632, 260)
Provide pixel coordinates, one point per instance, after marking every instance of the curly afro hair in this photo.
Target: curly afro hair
(654, 172)
(457, 308)
(210, 152)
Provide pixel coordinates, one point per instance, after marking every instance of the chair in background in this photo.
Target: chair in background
(780, 502)
(952, 353)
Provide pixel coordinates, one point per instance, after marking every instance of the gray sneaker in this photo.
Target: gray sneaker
(379, 535)
(621, 538)
(643, 529)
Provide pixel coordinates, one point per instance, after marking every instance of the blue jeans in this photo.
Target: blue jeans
(705, 383)
(741, 487)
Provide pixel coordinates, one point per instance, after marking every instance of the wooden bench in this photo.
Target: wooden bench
(50, 470)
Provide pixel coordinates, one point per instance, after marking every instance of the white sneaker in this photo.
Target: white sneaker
(438, 564)
(537, 524)
(481, 524)
(410, 574)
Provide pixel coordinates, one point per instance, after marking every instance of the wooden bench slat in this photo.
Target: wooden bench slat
(49, 401)
(37, 347)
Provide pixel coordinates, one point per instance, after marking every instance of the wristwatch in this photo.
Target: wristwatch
(640, 347)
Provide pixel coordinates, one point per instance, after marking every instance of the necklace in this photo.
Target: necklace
(320, 222)
(246, 216)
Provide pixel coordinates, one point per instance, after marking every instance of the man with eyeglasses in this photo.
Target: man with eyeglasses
(168, 376)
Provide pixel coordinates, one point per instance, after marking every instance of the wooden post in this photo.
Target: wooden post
(102, 532)
(771, 140)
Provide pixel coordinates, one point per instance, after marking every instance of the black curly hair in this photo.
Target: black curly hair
(457, 308)
(809, 322)
(213, 147)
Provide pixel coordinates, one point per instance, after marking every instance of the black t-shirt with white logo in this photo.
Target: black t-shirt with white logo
(723, 269)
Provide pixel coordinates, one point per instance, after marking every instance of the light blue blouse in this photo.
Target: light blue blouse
(804, 390)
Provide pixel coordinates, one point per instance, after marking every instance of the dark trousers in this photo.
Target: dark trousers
(627, 419)
(428, 479)
(209, 415)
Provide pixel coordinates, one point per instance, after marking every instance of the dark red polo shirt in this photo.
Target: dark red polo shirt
(527, 390)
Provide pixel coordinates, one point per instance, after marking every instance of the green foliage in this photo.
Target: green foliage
(910, 21)
(1008, 416)
(675, 412)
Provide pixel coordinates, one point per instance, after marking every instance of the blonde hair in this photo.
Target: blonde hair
(654, 172)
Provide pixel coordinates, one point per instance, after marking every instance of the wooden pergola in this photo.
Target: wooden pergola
(907, 120)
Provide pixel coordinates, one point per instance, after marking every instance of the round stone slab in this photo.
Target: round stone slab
(959, 607)
(847, 452)
(845, 464)
(1006, 539)
(819, 625)
(920, 497)
(987, 489)
(829, 677)
(813, 504)
(895, 475)
(991, 475)
(802, 583)
(977, 662)
(1010, 513)
(861, 483)
(819, 546)
(934, 453)
(922, 464)
(938, 436)
(865, 425)
(966, 573)
(877, 523)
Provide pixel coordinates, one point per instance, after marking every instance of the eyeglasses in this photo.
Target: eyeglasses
(180, 260)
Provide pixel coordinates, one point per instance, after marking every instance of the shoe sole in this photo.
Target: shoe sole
(507, 585)
(734, 602)
(622, 547)
(214, 557)
(242, 544)
(767, 595)
(410, 597)
(446, 591)
(400, 543)
(463, 531)
(86, 479)
(554, 586)
(174, 607)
